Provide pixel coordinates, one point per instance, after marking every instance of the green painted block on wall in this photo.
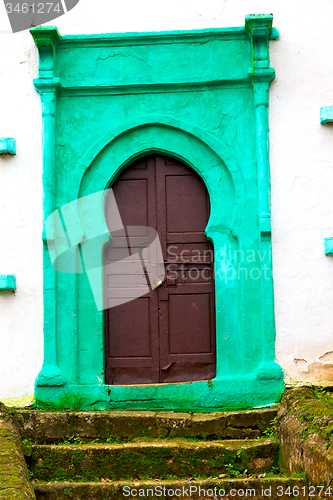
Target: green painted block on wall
(7, 282)
(326, 114)
(328, 246)
(7, 145)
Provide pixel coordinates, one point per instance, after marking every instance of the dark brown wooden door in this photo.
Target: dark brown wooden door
(167, 334)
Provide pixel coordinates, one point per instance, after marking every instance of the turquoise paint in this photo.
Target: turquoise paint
(7, 283)
(326, 114)
(328, 243)
(7, 145)
(260, 26)
(47, 86)
(199, 96)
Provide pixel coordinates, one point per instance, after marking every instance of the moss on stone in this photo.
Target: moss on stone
(313, 406)
(305, 422)
(158, 459)
(14, 477)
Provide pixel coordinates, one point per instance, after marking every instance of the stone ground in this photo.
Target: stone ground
(117, 455)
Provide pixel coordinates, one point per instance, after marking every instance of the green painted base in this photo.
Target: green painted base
(50, 376)
(205, 396)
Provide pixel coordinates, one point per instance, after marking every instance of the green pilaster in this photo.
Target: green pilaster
(47, 85)
(261, 74)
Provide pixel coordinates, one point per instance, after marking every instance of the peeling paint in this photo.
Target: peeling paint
(317, 370)
(302, 365)
(327, 358)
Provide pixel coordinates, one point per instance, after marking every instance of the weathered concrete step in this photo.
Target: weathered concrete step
(54, 427)
(259, 489)
(151, 459)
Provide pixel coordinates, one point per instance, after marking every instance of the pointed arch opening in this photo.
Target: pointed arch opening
(168, 333)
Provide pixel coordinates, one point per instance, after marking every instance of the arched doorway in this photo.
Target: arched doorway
(168, 334)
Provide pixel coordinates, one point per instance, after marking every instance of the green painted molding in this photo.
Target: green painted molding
(326, 115)
(46, 39)
(7, 283)
(153, 37)
(7, 145)
(202, 97)
(45, 36)
(259, 26)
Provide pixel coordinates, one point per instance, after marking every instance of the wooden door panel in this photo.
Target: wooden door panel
(132, 348)
(195, 369)
(197, 274)
(132, 339)
(187, 320)
(189, 337)
(122, 343)
(186, 204)
(135, 190)
(168, 335)
(191, 252)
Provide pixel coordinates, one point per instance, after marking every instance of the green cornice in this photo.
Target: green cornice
(259, 24)
(46, 39)
(259, 27)
(161, 37)
(45, 36)
(151, 88)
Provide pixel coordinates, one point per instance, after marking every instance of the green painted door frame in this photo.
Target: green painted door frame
(201, 97)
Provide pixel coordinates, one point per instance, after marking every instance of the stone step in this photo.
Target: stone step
(160, 459)
(259, 489)
(55, 427)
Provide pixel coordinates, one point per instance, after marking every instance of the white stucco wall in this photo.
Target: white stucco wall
(301, 171)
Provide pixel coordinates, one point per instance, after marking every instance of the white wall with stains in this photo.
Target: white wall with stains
(301, 173)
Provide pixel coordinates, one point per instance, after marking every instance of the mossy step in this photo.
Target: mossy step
(55, 427)
(154, 459)
(14, 477)
(259, 489)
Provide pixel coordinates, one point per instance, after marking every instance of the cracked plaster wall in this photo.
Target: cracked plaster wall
(301, 172)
